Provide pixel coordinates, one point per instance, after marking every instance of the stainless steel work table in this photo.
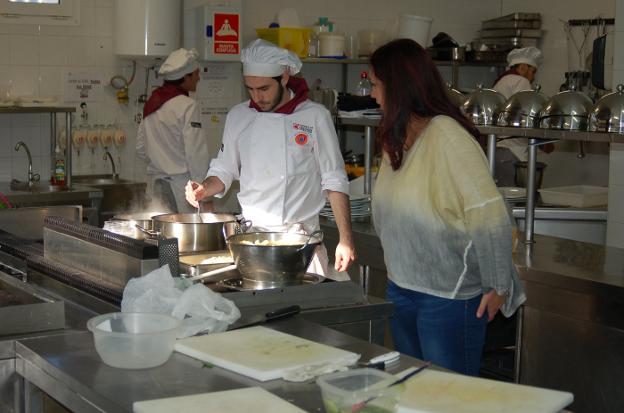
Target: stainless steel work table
(68, 369)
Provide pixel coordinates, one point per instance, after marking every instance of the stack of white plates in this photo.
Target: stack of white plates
(360, 208)
(513, 195)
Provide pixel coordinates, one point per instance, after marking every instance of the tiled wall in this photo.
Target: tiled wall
(615, 223)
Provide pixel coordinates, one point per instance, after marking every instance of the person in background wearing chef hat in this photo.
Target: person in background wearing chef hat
(283, 149)
(170, 136)
(523, 64)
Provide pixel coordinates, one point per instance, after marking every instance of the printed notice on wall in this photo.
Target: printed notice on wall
(83, 86)
(227, 34)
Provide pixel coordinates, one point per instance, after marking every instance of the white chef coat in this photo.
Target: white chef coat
(507, 86)
(174, 144)
(284, 163)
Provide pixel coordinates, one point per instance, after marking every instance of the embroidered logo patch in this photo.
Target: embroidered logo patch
(302, 128)
(301, 139)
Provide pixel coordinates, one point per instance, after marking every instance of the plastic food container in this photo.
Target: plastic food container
(579, 196)
(296, 40)
(347, 391)
(134, 340)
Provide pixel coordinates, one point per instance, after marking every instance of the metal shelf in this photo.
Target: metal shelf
(553, 134)
(36, 109)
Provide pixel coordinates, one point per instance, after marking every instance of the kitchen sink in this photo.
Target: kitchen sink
(119, 195)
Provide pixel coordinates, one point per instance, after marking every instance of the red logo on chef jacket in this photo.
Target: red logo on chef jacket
(301, 139)
(227, 33)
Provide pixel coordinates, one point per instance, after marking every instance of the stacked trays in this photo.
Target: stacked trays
(360, 209)
(511, 31)
(513, 195)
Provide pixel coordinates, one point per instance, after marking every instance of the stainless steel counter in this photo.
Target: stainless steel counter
(68, 368)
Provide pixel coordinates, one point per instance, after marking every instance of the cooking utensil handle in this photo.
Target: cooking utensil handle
(150, 232)
(213, 272)
(318, 233)
(245, 225)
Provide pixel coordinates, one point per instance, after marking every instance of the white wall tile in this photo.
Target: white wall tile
(53, 50)
(616, 165)
(27, 120)
(81, 51)
(87, 23)
(5, 169)
(104, 21)
(33, 29)
(615, 234)
(51, 81)
(104, 55)
(31, 137)
(24, 49)
(5, 50)
(25, 80)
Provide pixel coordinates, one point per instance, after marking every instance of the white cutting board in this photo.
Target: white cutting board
(246, 400)
(259, 352)
(440, 392)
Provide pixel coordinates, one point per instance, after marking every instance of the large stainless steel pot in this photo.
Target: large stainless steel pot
(197, 232)
(276, 258)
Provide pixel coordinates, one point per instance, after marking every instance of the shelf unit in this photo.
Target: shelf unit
(535, 137)
(52, 110)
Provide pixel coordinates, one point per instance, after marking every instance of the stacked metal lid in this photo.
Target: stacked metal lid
(512, 31)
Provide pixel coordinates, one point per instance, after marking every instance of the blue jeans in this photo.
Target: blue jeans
(444, 331)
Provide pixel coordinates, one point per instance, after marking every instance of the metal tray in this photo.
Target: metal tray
(31, 311)
(512, 33)
(512, 24)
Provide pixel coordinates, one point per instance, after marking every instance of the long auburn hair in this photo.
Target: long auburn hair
(412, 87)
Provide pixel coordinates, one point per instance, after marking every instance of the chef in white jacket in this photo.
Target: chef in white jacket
(284, 150)
(523, 64)
(171, 137)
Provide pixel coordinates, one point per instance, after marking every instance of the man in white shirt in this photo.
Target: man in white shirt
(171, 137)
(284, 150)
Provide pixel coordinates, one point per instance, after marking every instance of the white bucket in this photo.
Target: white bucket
(415, 27)
(331, 45)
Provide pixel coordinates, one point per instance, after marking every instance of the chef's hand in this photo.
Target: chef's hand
(492, 302)
(345, 255)
(194, 192)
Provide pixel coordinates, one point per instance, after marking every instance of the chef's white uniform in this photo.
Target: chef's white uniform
(284, 162)
(174, 144)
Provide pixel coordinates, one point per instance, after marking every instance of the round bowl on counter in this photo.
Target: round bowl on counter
(608, 113)
(196, 232)
(279, 258)
(568, 110)
(134, 340)
(522, 109)
(482, 106)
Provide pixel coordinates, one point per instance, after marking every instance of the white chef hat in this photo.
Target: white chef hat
(530, 55)
(179, 63)
(262, 58)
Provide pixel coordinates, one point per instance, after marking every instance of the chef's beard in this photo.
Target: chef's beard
(277, 101)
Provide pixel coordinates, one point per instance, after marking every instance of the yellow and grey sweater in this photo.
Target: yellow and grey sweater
(443, 224)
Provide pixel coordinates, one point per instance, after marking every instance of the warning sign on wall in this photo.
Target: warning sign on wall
(226, 33)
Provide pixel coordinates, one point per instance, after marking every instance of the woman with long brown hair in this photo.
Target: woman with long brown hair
(442, 223)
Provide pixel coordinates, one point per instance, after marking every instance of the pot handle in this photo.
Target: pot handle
(245, 225)
(149, 232)
(318, 233)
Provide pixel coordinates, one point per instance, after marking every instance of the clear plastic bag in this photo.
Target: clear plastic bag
(199, 308)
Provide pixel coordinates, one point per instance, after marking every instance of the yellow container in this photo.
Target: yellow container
(294, 39)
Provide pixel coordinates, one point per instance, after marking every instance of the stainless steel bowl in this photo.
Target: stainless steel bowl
(608, 113)
(567, 110)
(142, 219)
(482, 106)
(522, 109)
(278, 258)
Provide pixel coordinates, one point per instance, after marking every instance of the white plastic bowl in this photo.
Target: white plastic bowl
(134, 340)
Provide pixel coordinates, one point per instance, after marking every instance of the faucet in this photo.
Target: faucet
(108, 155)
(32, 178)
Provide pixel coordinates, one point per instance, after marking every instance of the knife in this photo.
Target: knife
(258, 319)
